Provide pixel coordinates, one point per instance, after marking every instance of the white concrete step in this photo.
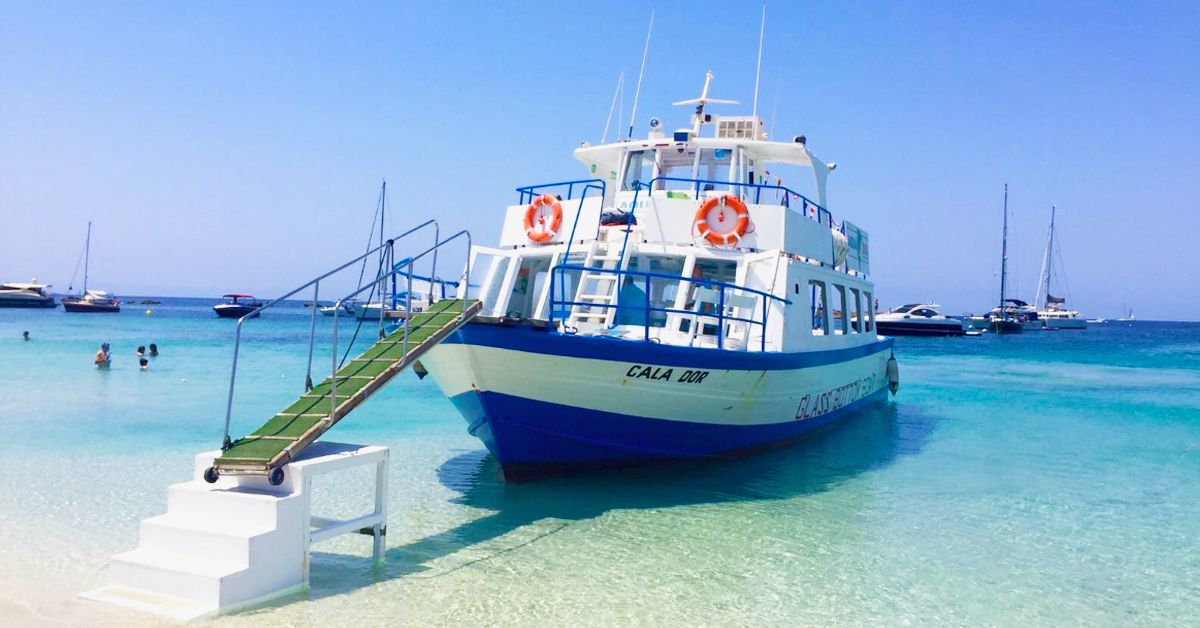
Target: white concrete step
(226, 540)
(207, 506)
(167, 573)
(176, 608)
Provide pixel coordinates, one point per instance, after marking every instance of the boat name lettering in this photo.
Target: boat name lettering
(834, 398)
(665, 374)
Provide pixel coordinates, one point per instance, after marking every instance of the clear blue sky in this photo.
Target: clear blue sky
(239, 146)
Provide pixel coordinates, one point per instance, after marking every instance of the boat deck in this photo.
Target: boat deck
(287, 433)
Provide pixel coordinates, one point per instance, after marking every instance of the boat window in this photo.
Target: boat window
(926, 312)
(531, 276)
(663, 290)
(639, 168)
(856, 296)
(492, 279)
(715, 164)
(840, 316)
(870, 318)
(819, 308)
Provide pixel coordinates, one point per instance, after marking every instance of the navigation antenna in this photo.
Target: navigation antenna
(613, 106)
(642, 72)
(762, 29)
(699, 118)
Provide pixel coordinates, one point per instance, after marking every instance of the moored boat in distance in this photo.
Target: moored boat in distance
(237, 305)
(676, 306)
(89, 301)
(1054, 313)
(26, 295)
(918, 319)
(1003, 319)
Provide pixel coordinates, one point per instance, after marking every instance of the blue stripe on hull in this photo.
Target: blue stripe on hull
(533, 438)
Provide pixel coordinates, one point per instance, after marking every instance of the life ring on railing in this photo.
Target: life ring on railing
(722, 204)
(537, 228)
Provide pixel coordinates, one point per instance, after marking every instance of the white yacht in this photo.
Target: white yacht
(918, 319)
(32, 294)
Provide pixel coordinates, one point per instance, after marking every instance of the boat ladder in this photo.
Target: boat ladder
(284, 436)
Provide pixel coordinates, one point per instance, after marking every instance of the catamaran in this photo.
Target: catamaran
(1054, 313)
(677, 305)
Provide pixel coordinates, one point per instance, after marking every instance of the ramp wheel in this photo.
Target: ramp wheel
(276, 477)
(210, 475)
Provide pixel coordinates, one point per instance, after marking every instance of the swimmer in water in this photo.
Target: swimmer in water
(144, 364)
(25, 336)
(102, 358)
(153, 350)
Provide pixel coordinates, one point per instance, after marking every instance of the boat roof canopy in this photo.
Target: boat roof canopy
(237, 296)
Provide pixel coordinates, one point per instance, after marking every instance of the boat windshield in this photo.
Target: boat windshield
(904, 309)
(643, 166)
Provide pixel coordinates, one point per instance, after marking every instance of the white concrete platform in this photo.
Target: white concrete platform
(240, 541)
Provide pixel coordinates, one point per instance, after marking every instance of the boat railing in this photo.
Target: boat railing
(388, 269)
(748, 191)
(645, 308)
(529, 192)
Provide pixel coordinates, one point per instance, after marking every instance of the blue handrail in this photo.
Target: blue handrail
(579, 211)
(528, 192)
(823, 215)
(646, 308)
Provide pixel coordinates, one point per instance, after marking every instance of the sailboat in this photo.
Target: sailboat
(1054, 313)
(90, 301)
(1003, 319)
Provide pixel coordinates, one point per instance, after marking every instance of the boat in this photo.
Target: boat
(918, 319)
(1003, 319)
(675, 305)
(348, 308)
(32, 294)
(1128, 317)
(1054, 313)
(89, 301)
(238, 305)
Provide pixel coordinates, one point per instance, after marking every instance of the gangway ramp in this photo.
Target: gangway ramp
(266, 450)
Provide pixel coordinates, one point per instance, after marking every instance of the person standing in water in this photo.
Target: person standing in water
(141, 351)
(102, 359)
(153, 350)
(25, 336)
(144, 364)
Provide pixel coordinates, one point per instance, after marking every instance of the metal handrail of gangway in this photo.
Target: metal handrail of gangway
(316, 285)
(392, 272)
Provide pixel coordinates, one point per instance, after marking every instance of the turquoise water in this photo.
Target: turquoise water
(1042, 479)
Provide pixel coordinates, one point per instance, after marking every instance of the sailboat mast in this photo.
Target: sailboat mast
(1004, 257)
(1049, 257)
(87, 254)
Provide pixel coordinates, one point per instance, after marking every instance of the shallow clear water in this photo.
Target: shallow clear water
(1044, 479)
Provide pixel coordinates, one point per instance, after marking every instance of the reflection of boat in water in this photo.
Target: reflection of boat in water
(675, 328)
(238, 305)
(917, 319)
(1054, 313)
(90, 301)
(32, 294)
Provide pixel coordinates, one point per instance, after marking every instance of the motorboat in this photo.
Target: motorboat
(1054, 313)
(918, 319)
(89, 301)
(700, 325)
(347, 308)
(238, 305)
(31, 294)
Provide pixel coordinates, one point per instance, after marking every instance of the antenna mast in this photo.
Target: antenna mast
(637, 94)
(762, 29)
(613, 106)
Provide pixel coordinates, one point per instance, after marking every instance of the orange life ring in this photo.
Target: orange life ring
(535, 225)
(732, 236)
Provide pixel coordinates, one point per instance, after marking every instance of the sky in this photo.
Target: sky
(231, 146)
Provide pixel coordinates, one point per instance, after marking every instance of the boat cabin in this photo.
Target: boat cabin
(685, 240)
